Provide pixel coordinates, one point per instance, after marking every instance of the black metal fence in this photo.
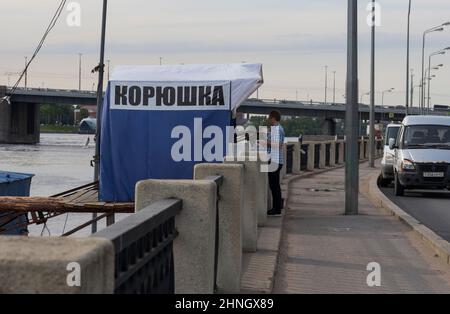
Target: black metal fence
(143, 244)
(218, 180)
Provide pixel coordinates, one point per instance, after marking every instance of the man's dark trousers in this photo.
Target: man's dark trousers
(274, 184)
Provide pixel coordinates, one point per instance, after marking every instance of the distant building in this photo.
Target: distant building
(92, 109)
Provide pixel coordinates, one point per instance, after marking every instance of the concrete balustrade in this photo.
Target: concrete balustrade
(296, 158)
(56, 265)
(361, 150)
(311, 156)
(335, 149)
(253, 203)
(332, 154)
(231, 209)
(40, 266)
(322, 159)
(341, 157)
(194, 248)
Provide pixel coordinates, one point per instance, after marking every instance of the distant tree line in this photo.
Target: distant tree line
(61, 114)
(294, 126)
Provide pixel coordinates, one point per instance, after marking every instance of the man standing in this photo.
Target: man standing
(275, 142)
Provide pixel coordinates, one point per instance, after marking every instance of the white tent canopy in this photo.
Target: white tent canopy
(245, 78)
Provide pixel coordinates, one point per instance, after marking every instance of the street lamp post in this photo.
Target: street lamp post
(429, 91)
(351, 114)
(407, 59)
(326, 82)
(334, 87)
(383, 92)
(426, 80)
(362, 97)
(439, 28)
(437, 53)
(413, 89)
(26, 72)
(79, 70)
(372, 93)
(429, 85)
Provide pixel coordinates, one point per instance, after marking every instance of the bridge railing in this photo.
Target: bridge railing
(311, 155)
(143, 243)
(186, 236)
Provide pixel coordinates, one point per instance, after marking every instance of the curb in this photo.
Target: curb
(438, 244)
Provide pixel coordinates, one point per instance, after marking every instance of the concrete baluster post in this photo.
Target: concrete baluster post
(194, 248)
(333, 154)
(323, 152)
(296, 160)
(311, 156)
(231, 229)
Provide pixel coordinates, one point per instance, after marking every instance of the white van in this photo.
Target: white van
(422, 154)
(387, 163)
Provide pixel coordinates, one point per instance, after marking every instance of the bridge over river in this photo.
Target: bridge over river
(19, 119)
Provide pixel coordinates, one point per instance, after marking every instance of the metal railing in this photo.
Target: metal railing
(143, 244)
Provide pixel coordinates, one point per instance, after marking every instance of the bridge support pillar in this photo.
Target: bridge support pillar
(329, 127)
(5, 117)
(19, 122)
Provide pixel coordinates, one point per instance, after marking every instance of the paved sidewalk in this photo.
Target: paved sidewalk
(323, 251)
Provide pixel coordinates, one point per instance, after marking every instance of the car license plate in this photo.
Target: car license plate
(433, 174)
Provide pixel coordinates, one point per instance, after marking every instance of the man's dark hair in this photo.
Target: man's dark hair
(276, 115)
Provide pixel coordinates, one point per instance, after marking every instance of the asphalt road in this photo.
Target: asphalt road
(431, 208)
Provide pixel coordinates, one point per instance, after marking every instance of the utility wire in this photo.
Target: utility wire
(41, 42)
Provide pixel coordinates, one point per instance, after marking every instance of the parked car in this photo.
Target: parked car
(422, 154)
(387, 163)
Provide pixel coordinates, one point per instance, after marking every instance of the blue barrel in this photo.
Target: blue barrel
(14, 184)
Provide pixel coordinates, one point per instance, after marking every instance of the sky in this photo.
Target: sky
(293, 39)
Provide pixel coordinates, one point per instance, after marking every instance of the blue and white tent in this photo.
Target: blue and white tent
(159, 121)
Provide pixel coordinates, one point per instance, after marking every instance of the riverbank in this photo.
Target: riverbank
(61, 129)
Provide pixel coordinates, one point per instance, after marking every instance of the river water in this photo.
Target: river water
(60, 162)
